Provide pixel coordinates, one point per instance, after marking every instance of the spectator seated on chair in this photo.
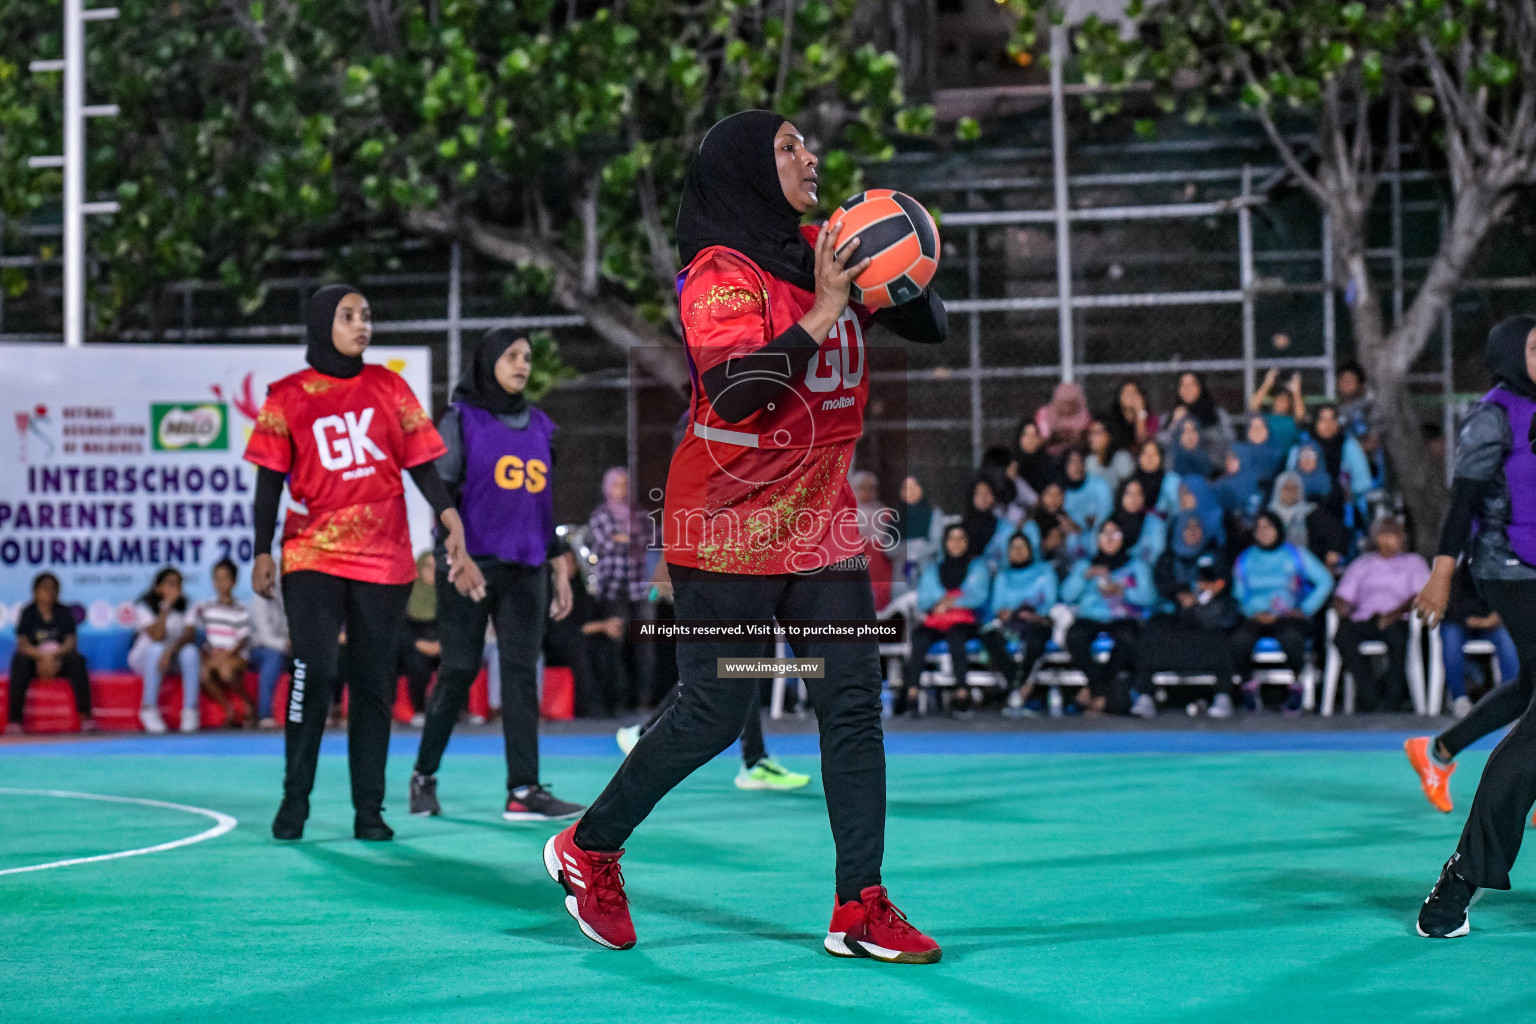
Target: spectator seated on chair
(1130, 421)
(1031, 466)
(986, 524)
(1308, 524)
(1373, 599)
(920, 527)
(46, 649)
(1342, 458)
(1054, 535)
(1468, 617)
(1358, 413)
(1086, 498)
(420, 650)
(1109, 594)
(1159, 484)
(1190, 455)
(1023, 592)
(165, 639)
(1287, 411)
(1279, 588)
(1105, 461)
(1064, 421)
(1190, 636)
(224, 628)
(1196, 406)
(269, 650)
(1260, 456)
(1146, 532)
(950, 597)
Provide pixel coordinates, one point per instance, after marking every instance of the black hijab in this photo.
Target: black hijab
(980, 524)
(320, 351)
(1035, 468)
(478, 385)
(1151, 483)
(1333, 447)
(1203, 409)
(732, 197)
(1130, 523)
(1119, 558)
(952, 570)
(1045, 519)
(1279, 526)
(1505, 355)
(1008, 551)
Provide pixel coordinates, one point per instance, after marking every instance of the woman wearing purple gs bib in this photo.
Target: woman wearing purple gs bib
(1495, 486)
(498, 468)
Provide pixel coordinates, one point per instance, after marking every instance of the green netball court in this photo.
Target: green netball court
(1146, 877)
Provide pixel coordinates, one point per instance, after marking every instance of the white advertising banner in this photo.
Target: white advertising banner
(127, 458)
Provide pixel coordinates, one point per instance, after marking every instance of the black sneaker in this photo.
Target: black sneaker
(1444, 914)
(534, 803)
(371, 827)
(289, 823)
(424, 795)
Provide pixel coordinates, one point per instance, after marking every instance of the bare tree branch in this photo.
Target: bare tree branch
(591, 236)
(616, 322)
(786, 49)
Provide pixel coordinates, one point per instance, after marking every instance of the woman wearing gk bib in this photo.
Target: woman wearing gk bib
(340, 433)
(760, 521)
(1495, 488)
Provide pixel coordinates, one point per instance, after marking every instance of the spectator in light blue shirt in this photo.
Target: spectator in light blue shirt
(1087, 499)
(1279, 587)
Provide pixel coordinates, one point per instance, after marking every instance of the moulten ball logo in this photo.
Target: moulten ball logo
(183, 426)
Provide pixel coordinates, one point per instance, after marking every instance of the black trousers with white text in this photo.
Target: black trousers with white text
(319, 607)
(708, 714)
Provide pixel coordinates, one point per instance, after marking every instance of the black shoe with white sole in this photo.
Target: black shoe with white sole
(535, 803)
(1444, 914)
(424, 795)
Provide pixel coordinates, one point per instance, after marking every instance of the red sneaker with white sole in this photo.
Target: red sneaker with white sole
(872, 927)
(594, 889)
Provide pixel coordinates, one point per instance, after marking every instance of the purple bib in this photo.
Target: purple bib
(506, 503)
(1519, 472)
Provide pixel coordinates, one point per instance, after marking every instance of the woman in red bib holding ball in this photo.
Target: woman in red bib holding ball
(340, 434)
(760, 521)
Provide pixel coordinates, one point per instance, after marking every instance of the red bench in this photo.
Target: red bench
(115, 699)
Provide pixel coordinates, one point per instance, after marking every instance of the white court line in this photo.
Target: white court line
(223, 824)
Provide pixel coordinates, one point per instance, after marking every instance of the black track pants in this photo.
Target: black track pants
(708, 714)
(1497, 709)
(753, 747)
(517, 602)
(1495, 827)
(319, 606)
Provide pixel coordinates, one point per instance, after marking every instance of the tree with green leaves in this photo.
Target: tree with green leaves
(1464, 71)
(548, 135)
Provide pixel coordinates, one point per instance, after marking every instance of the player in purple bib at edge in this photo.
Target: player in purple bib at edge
(499, 470)
(1492, 522)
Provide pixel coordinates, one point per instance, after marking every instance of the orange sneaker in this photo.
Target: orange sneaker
(1434, 777)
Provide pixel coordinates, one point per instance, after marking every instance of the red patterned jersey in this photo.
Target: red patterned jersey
(343, 444)
(769, 494)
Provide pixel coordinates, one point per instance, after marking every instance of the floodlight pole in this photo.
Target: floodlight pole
(73, 160)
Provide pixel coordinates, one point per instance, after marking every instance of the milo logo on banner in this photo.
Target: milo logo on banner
(177, 426)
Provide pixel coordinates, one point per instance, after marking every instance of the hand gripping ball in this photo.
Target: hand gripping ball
(901, 239)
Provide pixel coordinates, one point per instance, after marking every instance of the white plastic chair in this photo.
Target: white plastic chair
(1334, 666)
(1475, 647)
